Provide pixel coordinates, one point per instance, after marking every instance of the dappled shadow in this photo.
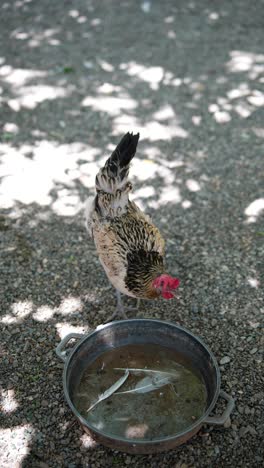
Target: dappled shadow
(73, 79)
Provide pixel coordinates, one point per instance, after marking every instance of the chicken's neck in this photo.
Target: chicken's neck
(143, 269)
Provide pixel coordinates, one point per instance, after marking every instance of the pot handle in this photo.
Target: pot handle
(59, 350)
(220, 420)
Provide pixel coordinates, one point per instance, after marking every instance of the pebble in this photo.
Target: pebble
(227, 423)
(45, 403)
(252, 430)
(217, 450)
(247, 410)
(26, 347)
(253, 351)
(225, 360)
(243, 431)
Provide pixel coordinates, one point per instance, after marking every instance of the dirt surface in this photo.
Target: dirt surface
(74, 77)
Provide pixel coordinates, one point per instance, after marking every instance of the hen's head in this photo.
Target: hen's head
(165, 285)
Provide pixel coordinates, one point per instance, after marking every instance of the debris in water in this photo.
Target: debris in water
(149, 383)
(146, 391)
(110, 390)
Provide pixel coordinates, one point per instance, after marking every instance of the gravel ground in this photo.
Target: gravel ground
(74, 76)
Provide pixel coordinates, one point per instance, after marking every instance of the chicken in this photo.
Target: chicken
(129, 246)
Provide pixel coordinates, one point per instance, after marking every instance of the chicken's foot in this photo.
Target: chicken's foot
(121, 309)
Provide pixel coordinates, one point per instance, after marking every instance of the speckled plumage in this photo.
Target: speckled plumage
(130, 247)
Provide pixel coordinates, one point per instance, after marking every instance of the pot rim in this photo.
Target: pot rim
(125, 440)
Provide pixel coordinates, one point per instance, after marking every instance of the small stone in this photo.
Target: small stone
(217, 450)
(240, 409)
(225, 360)
(243, 431)
(214, 322)
(27, 346)
(227, 423)
(45, 403)
(247, 410)
(253, 351)
(252, 430)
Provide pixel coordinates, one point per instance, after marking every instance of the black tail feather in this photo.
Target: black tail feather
(113, 176)
(124, 153)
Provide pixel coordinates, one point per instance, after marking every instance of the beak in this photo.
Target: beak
(170, 291)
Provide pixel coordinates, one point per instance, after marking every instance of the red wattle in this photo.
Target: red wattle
(167, 295)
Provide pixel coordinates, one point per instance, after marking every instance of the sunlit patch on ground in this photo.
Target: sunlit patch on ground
(254, 209)
(31, 179)
(22, 309)
(243, 61)
(253, 282)
(193, 185)
(64, 329)
(70, 305)
(19, 311)
(8, 401)
(87, 441)
(15, 444)
(43, 314)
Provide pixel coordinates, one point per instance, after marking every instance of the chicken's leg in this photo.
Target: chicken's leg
(121, 309)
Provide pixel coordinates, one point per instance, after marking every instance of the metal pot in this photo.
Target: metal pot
(142, 331)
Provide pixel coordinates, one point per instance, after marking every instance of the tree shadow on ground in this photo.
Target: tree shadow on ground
(72, 82)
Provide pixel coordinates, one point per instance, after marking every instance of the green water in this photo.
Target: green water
(164, 411)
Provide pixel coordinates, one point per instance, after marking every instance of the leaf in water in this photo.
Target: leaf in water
(149, 383)
(110, 390)
(169, 373)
